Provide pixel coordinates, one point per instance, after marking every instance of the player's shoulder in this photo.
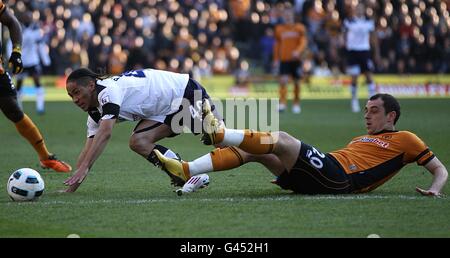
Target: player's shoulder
(408, 136)
(101, 84)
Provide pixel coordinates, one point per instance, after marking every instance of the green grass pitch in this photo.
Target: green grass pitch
(125, 196)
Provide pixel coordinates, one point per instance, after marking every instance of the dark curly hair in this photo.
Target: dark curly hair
(82, 76)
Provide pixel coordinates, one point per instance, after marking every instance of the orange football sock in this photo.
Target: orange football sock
(257, 142)
(226, 158)
(220, 134)
(29, 131)
(283, 94)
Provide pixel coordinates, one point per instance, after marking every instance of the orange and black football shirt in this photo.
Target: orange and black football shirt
(371, 160)
(288, 38)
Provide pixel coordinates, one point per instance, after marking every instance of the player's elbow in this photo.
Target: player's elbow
(444, 174)
(440, 173)
(105, 134)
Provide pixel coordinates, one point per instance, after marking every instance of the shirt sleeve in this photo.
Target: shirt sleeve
(110, 111)
(110, 99)
(92, 127)
(417, 151)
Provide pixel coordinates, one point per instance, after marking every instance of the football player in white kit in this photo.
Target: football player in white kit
(161, 102)
(34, 52)
(359, 35)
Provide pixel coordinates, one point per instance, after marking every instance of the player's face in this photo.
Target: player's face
(82, 96)
(376, 118)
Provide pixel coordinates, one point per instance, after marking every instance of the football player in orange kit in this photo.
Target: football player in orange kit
(364, 164)
(8, 97)
(290, 42)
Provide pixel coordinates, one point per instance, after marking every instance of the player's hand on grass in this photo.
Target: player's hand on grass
(72, 188)
(428, 192)
(75, 181)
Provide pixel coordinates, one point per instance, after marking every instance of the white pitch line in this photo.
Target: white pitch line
(229, 199)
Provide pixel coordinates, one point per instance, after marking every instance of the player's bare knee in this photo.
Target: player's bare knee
(139, 144)
(284, 142)
(247, 157)
(280, 137)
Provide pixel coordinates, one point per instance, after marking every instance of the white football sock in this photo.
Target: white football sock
(40, 99)
(372, 89)
(232, 137)
(201, 165)
(354, 91)
(170, 154)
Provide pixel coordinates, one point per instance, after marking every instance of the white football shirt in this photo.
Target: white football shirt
(141, 94)
(358, 33)
(32, 46)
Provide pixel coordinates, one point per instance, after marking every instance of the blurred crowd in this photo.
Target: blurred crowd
(207, 37)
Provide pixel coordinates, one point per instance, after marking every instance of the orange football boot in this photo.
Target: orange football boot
(54, 163)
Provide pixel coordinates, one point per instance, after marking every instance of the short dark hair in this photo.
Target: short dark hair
(82, 76)
(390, 104)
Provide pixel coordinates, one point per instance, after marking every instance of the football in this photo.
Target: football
(25, 184)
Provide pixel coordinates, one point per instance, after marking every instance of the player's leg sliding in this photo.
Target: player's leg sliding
(250, 141)
(217, 160)
(29, 131)
(168, 153)
(175, 167)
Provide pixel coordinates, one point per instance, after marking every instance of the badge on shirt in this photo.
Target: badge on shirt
(105, 99)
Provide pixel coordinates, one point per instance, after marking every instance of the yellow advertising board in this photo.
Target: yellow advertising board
(413, 86)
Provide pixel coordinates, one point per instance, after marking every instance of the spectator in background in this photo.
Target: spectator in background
(359, 36)
(117, 60)
(121, 21)
(239, 12)
(137, 56)
(445, 67)
(266, 44)
(290, 42)
(35, 53)
(241, 79)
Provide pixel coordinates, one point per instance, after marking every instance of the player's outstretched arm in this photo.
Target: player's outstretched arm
(85, 150)
(92, 152)
(440, 175)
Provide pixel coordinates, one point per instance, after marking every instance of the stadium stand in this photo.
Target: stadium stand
(213, 36)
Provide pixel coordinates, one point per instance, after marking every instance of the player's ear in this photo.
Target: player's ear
(91, 85)
(391, 116)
